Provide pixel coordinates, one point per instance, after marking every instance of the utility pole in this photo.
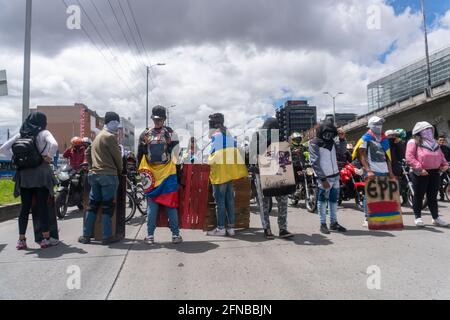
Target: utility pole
(427, 54)
(7, 134)
(26, 63)
(146, 109)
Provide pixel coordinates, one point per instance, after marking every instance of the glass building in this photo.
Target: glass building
(409, 81)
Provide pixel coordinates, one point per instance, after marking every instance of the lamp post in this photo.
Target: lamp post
(168, 114)
(26, 62)
(334, 104)
(427, 54)
(146, 104)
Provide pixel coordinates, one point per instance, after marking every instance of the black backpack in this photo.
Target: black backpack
(25, 153)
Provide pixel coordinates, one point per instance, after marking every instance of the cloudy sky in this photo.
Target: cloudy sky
(239, 57)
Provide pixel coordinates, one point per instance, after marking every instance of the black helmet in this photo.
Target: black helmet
(159, 112)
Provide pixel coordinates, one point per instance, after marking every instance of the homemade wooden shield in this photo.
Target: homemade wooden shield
(276, 170)
(383, 204)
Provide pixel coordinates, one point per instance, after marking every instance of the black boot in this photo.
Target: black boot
(268, 234)
(324, 229)
(337, 227)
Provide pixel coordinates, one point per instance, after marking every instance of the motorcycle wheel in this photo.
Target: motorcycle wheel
(311, 201)
(294, 200)
(447, 192)
(130, 207)
(410, 200)
(61, 205)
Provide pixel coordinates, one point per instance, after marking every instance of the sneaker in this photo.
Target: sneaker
(231, 232)
(365, 224)
(324, 229)
(46, 243)
(268, 234)
(21, 244)
(149, 240)
(177, 239)
(419, 223)
(84, 240)
(439, 222)
(337, 227)
(285, 234)
(217, 232)
(110, 240)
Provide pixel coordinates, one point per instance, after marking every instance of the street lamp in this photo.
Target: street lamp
(168, 114)
(146, 105)
(26, 63)
(334, 104)
(427, 54)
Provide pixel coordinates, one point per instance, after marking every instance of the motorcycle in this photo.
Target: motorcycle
(69, 192)
(408, 192)
(352, 185)
(445, 185)
(306, 189)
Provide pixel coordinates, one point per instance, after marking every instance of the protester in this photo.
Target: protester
(446, 151)
(262, 142)
(86, 142)
(33, 179)
(297, 151)
(192, 154)
(397, 152)
(342, 155)
(226, 165)
(426, 159)
(105, 163)
(158, 152)
(75, 153)
(374, 154)
(323, 157)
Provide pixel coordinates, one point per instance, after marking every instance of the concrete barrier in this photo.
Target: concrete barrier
(9, 212)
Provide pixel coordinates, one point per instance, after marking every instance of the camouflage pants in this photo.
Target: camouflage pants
(282, 212)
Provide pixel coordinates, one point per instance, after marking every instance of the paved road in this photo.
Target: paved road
(413, 263)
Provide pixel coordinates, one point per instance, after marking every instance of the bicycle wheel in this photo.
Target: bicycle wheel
(141, 200)
(130, 207)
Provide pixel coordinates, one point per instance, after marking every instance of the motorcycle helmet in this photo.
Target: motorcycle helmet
(76, 141)
(296, 139)
(401, 133)
(86, 141)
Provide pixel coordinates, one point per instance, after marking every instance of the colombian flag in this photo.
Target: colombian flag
(384, 215)
(225, 160)
(369, 136)
(160, 182)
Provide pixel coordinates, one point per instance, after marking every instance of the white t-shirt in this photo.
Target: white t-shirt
(45, 143)
(376, 157)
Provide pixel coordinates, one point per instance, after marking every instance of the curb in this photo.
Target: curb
(9, 212)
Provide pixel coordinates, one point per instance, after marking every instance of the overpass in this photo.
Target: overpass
(405, 114)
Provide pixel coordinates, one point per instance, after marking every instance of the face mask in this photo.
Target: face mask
(112, 126)
(327, 135)
(427, 134)
(376, 129)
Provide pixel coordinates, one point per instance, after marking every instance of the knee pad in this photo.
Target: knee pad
(93, 206)
(108, 207)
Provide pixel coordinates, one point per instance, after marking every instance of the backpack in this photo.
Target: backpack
(158, 147)
(25, 153)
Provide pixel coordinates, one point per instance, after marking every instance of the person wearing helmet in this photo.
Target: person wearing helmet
(86, 142)
(426, 160)
(75, 153)
(342, 154)
(402, 135)
(374, 153)
(297, 151)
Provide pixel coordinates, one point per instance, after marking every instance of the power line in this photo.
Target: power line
(101, 37)
(104, 57)
(112, 37)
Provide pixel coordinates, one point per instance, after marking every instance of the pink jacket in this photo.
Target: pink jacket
(420, 158)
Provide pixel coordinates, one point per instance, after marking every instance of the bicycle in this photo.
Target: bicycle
(136, 193)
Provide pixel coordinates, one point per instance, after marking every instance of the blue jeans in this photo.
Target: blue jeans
(103, 192)
(152, 214)
(224, 197)
(329, 196)
(377, 174)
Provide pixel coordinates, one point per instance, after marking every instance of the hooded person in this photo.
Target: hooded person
(426, 160)
(322, 155)
(261, 142)
(34, 182)
(374, 153)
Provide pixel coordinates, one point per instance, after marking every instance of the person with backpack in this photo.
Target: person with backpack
(426, 160)
(105, 165)
(158, 152)
(32, 152)
(323, 158)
